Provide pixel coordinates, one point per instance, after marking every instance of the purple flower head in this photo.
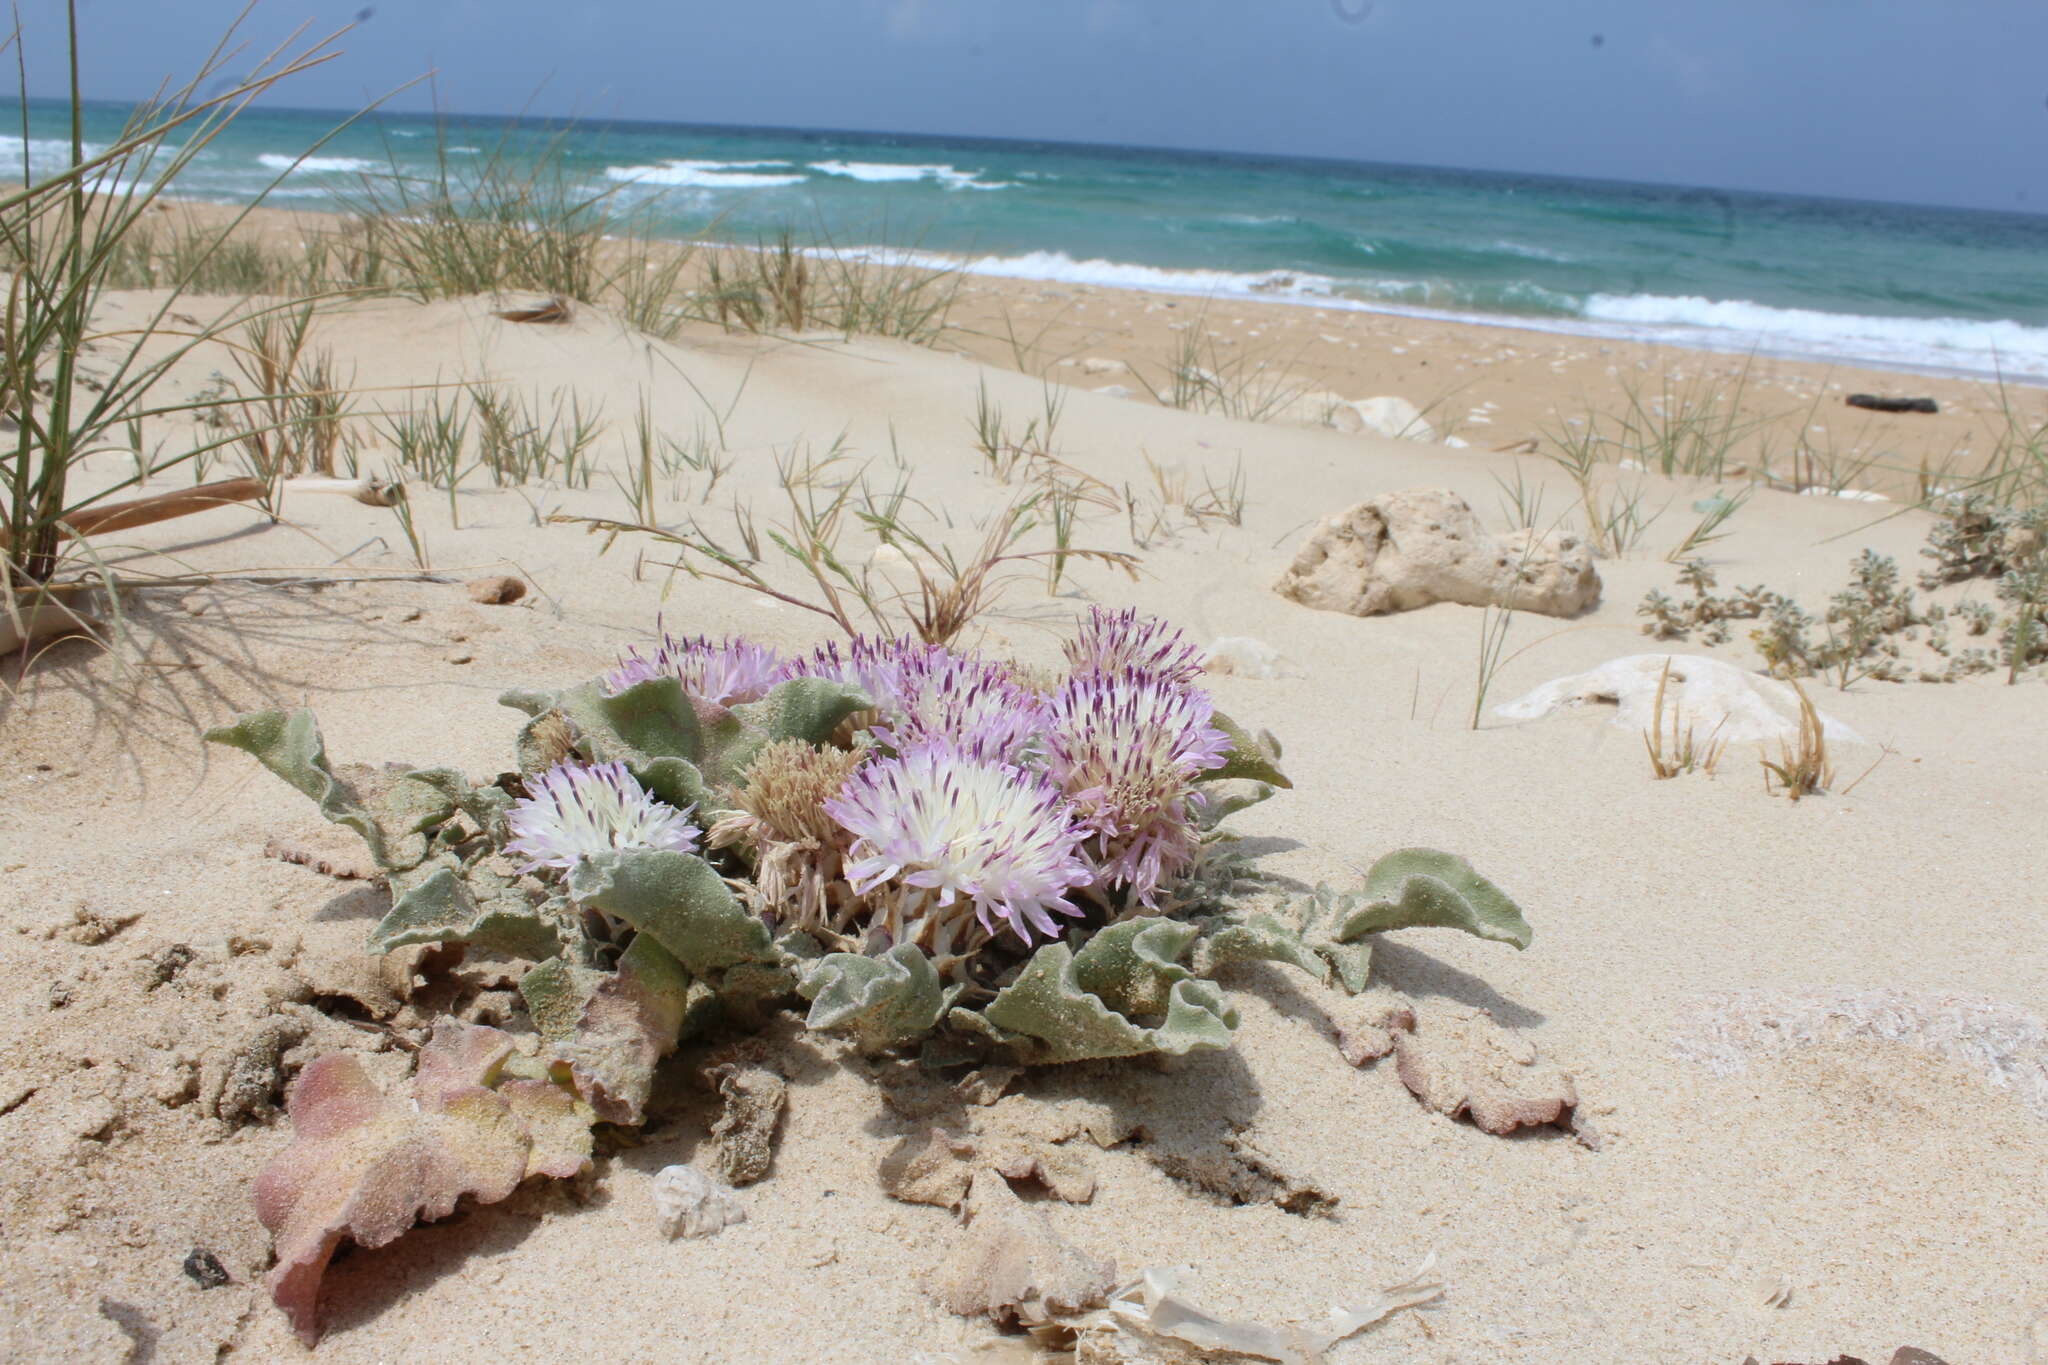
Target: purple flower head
(726, 672)
(943, 829)
(1112, 641)
(884, 669)
(971, 704)
(1126, 748)
(574, 810)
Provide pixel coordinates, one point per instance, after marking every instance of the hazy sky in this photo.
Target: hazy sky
(1926, 102)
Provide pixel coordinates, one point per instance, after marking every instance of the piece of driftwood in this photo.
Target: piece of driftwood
(120, 516)
(24, 625)
(555, 311)
(1877, 404)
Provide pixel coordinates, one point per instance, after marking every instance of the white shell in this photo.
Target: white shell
(691, 1203)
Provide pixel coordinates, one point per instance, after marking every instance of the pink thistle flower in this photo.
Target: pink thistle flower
(573, 811)
(884, 669)
(938, 831)
(1126, 749)
(725, 672)
(1112, 641)
(971, 704)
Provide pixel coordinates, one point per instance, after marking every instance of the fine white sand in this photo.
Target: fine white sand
(1880, 1193)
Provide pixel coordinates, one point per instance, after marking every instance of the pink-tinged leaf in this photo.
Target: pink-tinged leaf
(366, 1166)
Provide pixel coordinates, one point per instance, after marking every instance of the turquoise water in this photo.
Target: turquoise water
(1912, 287)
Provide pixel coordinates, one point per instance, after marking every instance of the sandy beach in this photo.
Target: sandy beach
(1809, 1034)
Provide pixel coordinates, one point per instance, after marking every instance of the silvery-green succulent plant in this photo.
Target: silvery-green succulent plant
(922, 845)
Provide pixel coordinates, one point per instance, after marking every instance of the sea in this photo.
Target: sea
(1891, 285)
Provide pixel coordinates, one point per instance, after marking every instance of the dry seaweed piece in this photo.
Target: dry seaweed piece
(1367, 1027)
(366, 1165)
(1457, 1062)
(744, 1134)
(1153, 1308)
(1014, 1268)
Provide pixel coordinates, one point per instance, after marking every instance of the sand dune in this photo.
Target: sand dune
(1851, 1193)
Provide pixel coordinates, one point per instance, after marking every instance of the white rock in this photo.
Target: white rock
(1249, 658)
(1114, 391)
(691, 1203)
(1096, 364)
(1309, 408)
(1405, 550)
(1707, 695)
(1388, 416)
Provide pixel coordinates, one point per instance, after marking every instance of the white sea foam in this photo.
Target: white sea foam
(45, 154)
(706, 175)
(878, 173)
(1530, 253)
(1941, 343)
(332, 165)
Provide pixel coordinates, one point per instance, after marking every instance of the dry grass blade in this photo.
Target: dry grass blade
(1804, 768)
(1685, 753)
(822, 503)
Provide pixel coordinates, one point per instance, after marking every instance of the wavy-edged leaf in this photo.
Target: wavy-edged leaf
(882, 1002)
(366, 1166)
(1420, 887)
(611, 1028)
(1259, 937)
(1048, 1016)
(1246, 757)
(1133, 966)
(678, 899)
(391, 811)
(442, 907)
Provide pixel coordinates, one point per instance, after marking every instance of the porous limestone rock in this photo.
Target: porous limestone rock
(1409, 549)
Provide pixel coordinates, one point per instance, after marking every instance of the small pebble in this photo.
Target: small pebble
(496, 591)
(204, 1269)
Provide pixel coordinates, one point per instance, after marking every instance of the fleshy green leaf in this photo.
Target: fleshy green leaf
(442, 907)
(809, 709)
(1048, 1016)
(1133, 966)
(611, 1028)
(1246, 757)
(1416, 887)
(883, 1002)
(391, 811)
(1257, 937)
(678, 899)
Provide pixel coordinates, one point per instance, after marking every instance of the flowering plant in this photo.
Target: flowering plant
(911, 839)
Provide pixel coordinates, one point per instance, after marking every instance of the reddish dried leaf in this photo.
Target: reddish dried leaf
(367, 1166)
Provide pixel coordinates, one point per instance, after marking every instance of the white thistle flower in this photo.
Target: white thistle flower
(575, 810)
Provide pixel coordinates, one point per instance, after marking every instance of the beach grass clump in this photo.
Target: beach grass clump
(912, 846)
(827, 500)
(785, 283)
(1197, 376)
(69, 236)
(1681, 750)
(1803, 767)
(508, 219)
